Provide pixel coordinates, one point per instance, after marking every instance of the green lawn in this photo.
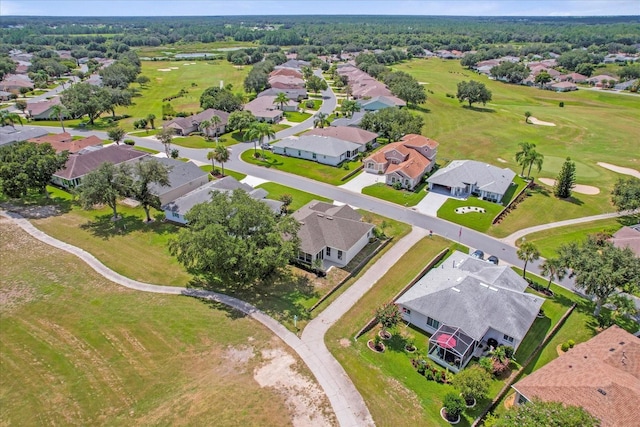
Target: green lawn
(592, 127)
(316, 104)
(79, 350)
(237, 175)
(296, 117)
(300, 198)
(325, 173)
(480, 221)
(193, 141)
(146, 150)
(548, 241)
(390, 194)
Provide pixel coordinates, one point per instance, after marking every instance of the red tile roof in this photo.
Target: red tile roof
(414, 163)
(64, 142)
(601, 375)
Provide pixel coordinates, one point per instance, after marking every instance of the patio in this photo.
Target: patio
(451, 348)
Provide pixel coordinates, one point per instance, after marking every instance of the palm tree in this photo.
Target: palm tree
(151, 119)
(281, 99)
(527, 114)
(349, 107)
(222, 155)
(204, 127)
(536, 159)
(215, 123)
(554, 269)
(59, 111)
(258, 131)
(8, 118)
(527, 252)
(522, 156)
(211, 155)
(321, 121)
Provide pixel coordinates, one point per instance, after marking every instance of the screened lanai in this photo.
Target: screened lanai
(451, 348)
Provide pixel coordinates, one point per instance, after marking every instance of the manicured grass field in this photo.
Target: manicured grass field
(390, 194)
(237, 175)
(316, 104)
(79, 350)
(548, 241)
(592, 127)
(296, 117)
(300, 198)
(325, 173)
(480, 221)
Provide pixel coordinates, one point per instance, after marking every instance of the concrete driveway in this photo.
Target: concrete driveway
(431, 203)
(365, 179)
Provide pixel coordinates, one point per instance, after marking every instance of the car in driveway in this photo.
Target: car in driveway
(266, 146)
(478, 254)
(493, 259)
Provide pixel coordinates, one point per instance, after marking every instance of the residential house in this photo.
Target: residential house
(467, 305)
(406, 161)
(628, 237)
(65, 142)
(177, 209)
(601, 80)
(381, 102)
(321, 149)
(42, 110)
(602, 376)
(10, 134)
(353, 121)
(572, 77)
(296, 64)
(462, 178)
(295, 94)
(286, 82)
(332, 234)
(565, 86)
(5, 96)
(185, 125)
(346, 133)
(184, 177)
(14, 82)
(265, 110)
(290, 72)
(626, 85)
(80, 164)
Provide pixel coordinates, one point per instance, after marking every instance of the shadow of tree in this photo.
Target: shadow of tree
(419, 108)
(479, 109)
(104, 227)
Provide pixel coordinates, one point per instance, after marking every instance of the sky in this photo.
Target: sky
(313, 7)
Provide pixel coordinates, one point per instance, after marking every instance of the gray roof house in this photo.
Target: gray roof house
(186, 125)
(10, 134)
(467, 303)
(330, 233)
(176, 210)
(353, 121)
(183, 178)
(321, 149)
(462, 178)
(295, 94)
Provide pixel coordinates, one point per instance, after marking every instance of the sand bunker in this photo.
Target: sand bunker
(177, 68)
(579, 188)
(501, 160)
(423, 83)
(620, 169)
(535, 121)
(164, 69)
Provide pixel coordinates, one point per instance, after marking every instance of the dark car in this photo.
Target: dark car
(477, 254)
(493, 259)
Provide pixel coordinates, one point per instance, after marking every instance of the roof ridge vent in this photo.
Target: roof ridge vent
(455, 289)
(493, 289)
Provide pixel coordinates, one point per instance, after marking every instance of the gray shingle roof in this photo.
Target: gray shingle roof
(180, 173)
(291, 93)
(9, 134)
(487, 177)
(323, 224)
(82, 163)
(475, 295)
(324, 145)
(202, 194)
(354, 120)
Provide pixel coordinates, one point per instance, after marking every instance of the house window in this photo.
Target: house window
(176, 214)
(299, 153)
(339, 254)
(406, 310)
(507, 338)
(433, 323)
(314, 155)
(328, 251)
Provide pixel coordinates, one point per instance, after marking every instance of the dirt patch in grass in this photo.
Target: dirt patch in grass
(304, 398)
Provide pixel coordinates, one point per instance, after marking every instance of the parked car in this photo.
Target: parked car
(266, 146)
(493, 259)
(477, 254)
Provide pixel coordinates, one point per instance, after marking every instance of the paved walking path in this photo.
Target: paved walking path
(346, 401)
(514, 237)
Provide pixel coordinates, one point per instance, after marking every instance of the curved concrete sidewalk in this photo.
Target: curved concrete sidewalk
(514, 237)
(346, 401)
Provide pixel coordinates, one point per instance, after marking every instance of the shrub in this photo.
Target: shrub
(129, 142)
(486, 363)
(564, 346)
(175, 153)
(310, 104)
(397, 185)
(345, 166)
(472, 382)
(454, 404)
(508, 351)
(561, 104)
(571, 343)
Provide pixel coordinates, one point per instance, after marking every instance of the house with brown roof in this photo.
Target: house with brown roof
(573, 77)
(286, 82)
(290, 72)
(41, 110)
(565, 86)
(347, 133)
(601, 80)
(601, 375)
(65, 142)
(628, 237)
(405, 161)
(80, 164)
(331, 234)
(185, 125)
(14, 82)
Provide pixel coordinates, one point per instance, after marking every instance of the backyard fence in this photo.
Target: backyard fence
(514, 201)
